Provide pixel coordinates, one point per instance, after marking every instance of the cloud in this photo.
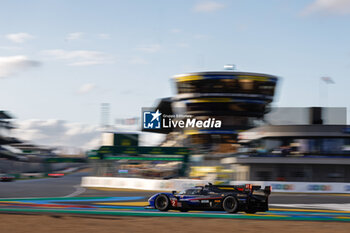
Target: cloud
(74, 36)
(80, 57)
(334, 7)
(10, 48)
(86, 88)
(15, 64)
(208, 6)
(175, 31)
(182, 45)
(104, 36)
(19, 37)
(139, 61)
(149, 48)
(55, 132)
(59, 133)
(200, 36)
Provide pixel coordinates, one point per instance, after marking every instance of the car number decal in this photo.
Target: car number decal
(174, 203)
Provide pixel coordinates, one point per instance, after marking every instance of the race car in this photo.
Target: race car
(55, 175)
(231, 198)
(6, 177)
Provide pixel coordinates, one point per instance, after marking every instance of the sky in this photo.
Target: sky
(60, 59)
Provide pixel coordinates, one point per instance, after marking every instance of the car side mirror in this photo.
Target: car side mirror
(173, 192)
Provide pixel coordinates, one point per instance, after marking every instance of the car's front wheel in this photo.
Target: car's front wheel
(162, 203)
(230, 204)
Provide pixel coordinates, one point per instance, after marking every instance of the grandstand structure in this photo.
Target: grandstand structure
(18, 157)
(312, 152)
(12, 148)
(5, 136)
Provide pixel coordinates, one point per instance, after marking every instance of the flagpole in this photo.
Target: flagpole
(327, 80)
(320, 92)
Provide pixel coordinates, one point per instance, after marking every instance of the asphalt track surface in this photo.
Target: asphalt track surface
(64, 195)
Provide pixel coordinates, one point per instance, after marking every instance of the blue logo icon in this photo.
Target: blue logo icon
(151, 120)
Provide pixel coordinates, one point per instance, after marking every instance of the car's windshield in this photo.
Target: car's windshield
(191, 191)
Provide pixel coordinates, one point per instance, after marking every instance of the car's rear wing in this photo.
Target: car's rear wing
(267, 190)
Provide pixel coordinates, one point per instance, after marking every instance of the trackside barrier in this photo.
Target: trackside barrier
(180, 184)
(29, 175)
(139, 183)
(300, 187)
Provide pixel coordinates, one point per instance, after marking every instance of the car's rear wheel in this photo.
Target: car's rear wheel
(230, 204)
(162, 203)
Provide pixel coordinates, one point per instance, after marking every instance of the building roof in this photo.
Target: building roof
(5, 115)
(224, 75)
(8, 140)
(295, 131)
(31, 147)
(6, 124)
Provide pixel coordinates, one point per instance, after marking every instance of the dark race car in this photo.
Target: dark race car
(6, 177)
(231, 198)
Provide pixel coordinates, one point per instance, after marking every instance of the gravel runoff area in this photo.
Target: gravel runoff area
(52, 223)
